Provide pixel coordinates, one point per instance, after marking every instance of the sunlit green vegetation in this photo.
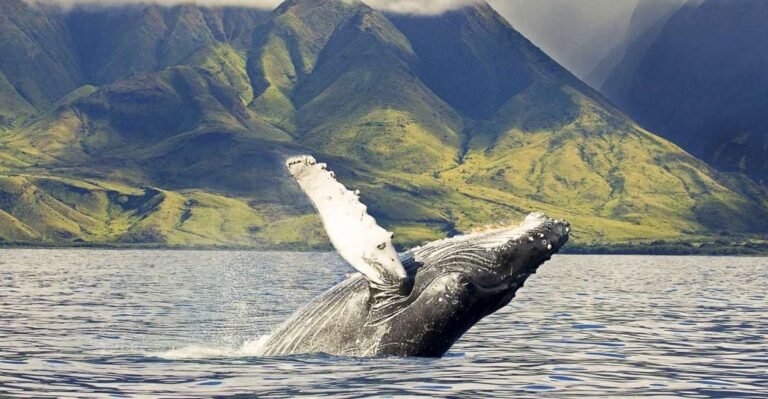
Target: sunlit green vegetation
(187, 150)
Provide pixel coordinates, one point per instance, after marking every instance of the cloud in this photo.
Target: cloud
(396, 6)
(268, 4)
(418, 6)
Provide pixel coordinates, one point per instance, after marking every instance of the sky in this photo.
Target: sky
(576, 33)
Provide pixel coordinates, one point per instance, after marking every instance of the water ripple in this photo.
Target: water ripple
(77, 323)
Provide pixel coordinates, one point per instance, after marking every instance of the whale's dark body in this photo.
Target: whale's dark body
(446, 287)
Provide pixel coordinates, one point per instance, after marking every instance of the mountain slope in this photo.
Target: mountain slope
(48, 52)
(557, 142)
(37, 57)
(14, 108)
(114, 42)
(338, 76)
(444, 122)
(701, 83)
(59, 210)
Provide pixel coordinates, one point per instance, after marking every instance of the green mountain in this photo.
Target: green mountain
(338, 77)
(699, 79)
(548, 138)
(38, 65)
(176, 122)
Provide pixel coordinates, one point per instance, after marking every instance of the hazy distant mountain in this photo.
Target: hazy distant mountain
(648, 19)
(576, 33)
(700, 80)
(170, 126)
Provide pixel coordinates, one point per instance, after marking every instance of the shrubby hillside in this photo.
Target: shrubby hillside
(169, 126)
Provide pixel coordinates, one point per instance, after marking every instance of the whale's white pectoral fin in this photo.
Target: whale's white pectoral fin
(353, 232)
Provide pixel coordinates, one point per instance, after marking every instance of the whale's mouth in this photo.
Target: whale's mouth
(521, 257)
(494, 263)
(520, 251)
(539, 242)
(509, 282)
(496, 258)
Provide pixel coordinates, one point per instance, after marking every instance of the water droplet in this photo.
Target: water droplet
(549, 246)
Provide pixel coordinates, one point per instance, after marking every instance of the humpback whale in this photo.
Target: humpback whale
(415, 304)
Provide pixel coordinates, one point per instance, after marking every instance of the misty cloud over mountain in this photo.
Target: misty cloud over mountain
(396, 6)
(578, 34)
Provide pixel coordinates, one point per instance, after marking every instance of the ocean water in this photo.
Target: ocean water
(87, 323)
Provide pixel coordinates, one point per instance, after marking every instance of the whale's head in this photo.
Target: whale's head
(493, 263)
(459, 280)
(514, 253)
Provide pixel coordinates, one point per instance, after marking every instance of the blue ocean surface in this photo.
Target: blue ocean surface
(181, 324)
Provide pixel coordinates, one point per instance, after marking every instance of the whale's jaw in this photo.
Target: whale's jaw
(521, 257)
(460, 280)
(493, 256)
(531, 244)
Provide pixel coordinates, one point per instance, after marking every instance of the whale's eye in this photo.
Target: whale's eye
(382, 245)
(544, 242)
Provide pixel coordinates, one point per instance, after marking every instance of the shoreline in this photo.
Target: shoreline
(653, 249)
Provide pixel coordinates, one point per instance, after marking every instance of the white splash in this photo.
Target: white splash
(493, 237)
(499, 236)
(251, 348)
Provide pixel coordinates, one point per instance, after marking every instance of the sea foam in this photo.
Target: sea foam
(249, 348)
